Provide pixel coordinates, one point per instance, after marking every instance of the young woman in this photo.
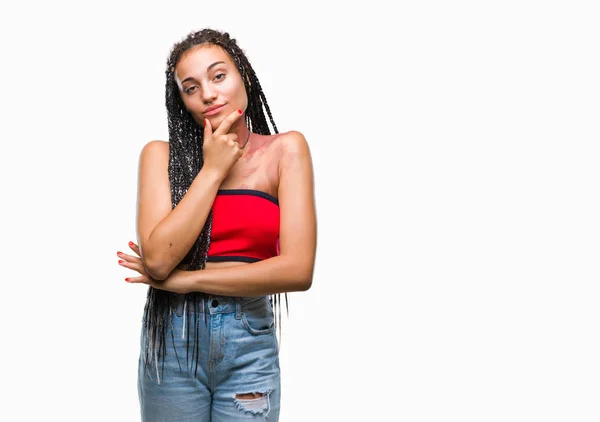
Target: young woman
(226, 222)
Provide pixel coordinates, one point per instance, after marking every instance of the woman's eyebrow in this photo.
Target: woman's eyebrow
(207, 69)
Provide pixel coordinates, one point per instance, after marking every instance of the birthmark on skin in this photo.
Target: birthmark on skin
(272, 168)
(256, 150)
(249, 171)
(170, 244)
(260, 169)
(293, 157)
(261, 145)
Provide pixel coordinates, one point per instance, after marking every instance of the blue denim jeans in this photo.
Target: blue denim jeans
(238, 354)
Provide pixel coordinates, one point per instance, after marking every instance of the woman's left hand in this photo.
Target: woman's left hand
(135, 263)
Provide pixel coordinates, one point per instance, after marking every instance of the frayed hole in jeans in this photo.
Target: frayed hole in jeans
(255, 403)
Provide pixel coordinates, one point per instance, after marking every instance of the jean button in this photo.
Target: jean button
(214, 303)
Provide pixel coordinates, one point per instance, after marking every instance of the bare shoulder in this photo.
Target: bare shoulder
(154, 153)
(293, 143)
(295, 155)
(155, 147)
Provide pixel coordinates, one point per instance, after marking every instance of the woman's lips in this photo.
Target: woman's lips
(214, 110)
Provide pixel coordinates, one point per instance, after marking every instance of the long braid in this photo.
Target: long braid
(186, 140)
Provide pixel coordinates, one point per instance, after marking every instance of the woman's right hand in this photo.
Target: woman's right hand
(221, 149)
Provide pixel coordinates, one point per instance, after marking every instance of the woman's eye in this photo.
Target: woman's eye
(189, 90)
(219, 76)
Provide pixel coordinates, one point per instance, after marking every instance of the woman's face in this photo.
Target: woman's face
(208, 78)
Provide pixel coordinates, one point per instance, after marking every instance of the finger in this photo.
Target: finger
(232, 137)
(145, 280)
(127, 257)
(131, 263)
(135, 266)
(236, 145)
(130, 258)
(140, 279)
(226, 124)
(135, 248)
(207, 129)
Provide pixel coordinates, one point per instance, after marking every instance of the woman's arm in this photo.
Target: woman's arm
(292, 270)
(166, 234)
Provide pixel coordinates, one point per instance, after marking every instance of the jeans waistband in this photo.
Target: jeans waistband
(214, 304)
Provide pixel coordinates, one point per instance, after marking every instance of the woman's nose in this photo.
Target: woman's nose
(208, 95)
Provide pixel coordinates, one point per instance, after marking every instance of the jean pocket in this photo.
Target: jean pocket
(259, 319)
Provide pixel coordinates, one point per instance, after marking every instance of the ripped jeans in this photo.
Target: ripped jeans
(237, 375)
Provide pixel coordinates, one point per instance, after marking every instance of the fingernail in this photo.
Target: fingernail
(204, 122)
(130, 243)
(121, 261)
(119, 253)
(240, 111)
(127, 279)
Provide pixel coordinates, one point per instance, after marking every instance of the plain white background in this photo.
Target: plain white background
(456, 154)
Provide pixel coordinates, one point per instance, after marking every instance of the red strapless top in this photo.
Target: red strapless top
(245, 226)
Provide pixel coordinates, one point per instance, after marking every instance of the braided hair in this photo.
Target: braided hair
(186, 140)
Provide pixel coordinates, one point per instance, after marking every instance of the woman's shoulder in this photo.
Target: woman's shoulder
(156, 144)
(292, 141)
(155, 151)
(155, 147)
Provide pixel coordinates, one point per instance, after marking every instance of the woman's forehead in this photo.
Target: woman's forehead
(200, 58)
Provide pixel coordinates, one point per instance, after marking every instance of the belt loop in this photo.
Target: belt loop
(238, 309)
